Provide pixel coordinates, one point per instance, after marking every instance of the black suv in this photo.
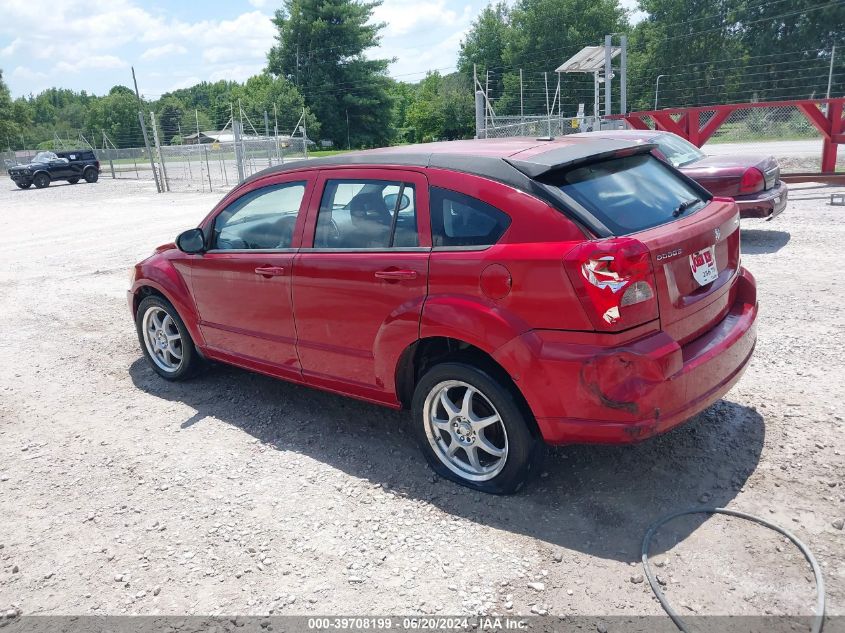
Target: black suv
(47, 167)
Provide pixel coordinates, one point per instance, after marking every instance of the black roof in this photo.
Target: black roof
(515, 168)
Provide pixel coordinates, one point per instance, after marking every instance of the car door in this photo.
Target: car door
(59, 168)
(242, 283)
(361, 278)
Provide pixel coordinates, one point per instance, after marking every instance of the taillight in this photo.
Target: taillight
(614, 281)
(752, 181)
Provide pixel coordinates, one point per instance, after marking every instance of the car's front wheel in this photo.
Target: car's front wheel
(41, 180)
(473, 430)
(91, 175)
(165, 340)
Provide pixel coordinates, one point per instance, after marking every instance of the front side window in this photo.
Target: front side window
(261, 219)
(461, 220)
(368, 214)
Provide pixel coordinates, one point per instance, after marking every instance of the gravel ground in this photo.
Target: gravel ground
(238, 494)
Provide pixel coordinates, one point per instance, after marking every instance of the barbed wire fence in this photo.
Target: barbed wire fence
(204, 161)
(568, 104)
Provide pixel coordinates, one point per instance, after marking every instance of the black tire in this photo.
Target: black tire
(73, 181)
(24, 185)
(41, 180)
(91, 175)
(524, 450)
(190, 360)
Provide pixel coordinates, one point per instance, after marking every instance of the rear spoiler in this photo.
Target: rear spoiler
(577, 154)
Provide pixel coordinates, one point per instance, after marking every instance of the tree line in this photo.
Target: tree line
(708, 51)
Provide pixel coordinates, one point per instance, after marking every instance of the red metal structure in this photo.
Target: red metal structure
(824, 114)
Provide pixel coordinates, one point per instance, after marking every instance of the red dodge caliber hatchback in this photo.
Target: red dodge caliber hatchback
(509, 292)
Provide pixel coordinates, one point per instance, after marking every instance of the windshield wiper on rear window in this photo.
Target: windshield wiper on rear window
(685, 205)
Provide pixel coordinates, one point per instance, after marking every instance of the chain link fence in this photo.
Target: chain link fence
(203, 161)
(203, 167)
(542, 126)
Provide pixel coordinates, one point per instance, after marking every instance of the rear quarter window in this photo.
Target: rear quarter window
(629, 194)
(461, 220)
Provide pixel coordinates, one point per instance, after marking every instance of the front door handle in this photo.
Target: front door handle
(396, 275)
(270, 271)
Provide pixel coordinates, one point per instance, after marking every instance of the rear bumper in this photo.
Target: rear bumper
(623, 394)
(766, 204)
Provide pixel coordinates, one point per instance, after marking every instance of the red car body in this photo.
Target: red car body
(752, 181)
(354, 322)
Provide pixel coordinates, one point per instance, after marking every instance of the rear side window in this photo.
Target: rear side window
(461, 220)
(629, 194)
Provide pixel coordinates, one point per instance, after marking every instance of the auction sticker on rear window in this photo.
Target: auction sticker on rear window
(703, 265)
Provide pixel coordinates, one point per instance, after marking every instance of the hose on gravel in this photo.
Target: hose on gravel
(818, 619)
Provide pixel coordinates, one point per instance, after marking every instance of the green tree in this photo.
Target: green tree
(261, 93)
(484, 46)
(543, 35)
(695, 43)
(321, 45)
(442, 108)
(791, 46)
(170, 112)
(402, 96)
(117, 115)
(9, 128)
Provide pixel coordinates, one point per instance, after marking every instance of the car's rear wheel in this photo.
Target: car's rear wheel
(91, 175)
(41, 180)
(73, 181)
(165, 340)
(24, 185)
(473, 430)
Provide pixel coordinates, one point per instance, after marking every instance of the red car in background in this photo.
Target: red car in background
(507, 291)
(752, 181)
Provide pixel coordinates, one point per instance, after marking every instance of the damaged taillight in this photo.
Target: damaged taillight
(614, 281)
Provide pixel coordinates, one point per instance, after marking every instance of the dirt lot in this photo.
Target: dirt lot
(235, 493)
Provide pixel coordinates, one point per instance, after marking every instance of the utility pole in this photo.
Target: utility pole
(165, 183)
(239, 158)
(623, 75)
(304, 135)
(521, 102)
(548, 112)
(267, 135)
(111, 162)
(279, 154)
(830, 73)
(205, 150)
(144, 132)
(608, 73)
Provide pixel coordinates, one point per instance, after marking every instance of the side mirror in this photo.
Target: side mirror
(191, 241)
(390, 201)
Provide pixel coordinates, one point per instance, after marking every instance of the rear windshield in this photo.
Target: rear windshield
(629, 194)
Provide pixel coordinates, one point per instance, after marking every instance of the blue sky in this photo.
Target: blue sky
(91, 46)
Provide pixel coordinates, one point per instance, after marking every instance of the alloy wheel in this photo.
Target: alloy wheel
(162, 338)
(465, 430)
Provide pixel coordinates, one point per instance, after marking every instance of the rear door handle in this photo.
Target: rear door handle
(396, 275)
(270, 271)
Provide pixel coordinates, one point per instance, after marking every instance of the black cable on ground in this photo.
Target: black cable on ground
(818, 620)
